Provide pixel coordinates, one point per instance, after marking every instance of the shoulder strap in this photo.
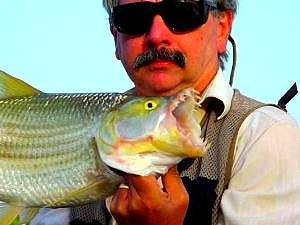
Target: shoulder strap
(230, 157)
(291, 93)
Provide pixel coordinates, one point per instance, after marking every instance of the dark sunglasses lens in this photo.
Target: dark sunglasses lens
(185, 16)
(132, 18)
(179, 16)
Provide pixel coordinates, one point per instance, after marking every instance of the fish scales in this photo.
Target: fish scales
(55, 148)
(51, 132)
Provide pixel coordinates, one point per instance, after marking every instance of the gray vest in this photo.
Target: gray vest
(204, 178)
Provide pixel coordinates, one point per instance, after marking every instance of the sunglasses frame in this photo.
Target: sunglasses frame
(162, 8)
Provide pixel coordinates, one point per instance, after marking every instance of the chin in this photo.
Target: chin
(162, 84)
(159, 90)
(154, 81)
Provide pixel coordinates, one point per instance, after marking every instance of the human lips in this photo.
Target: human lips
(160, 57)
(160, 64)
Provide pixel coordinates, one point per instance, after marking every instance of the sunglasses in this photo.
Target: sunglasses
(179, 15)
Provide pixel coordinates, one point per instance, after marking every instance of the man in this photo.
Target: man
(166, 46)
(251, 173)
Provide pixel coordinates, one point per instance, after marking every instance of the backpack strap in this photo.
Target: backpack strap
(230, 158)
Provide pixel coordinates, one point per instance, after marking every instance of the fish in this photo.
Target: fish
(63, 149)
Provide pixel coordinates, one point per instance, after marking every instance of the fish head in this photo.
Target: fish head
(148, 135)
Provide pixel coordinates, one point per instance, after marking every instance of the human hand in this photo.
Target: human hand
(147, 203)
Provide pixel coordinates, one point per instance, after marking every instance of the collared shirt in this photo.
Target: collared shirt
(219, 88)
(265, 184)
(264, 188)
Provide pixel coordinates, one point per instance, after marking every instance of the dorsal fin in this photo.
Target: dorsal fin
(14, 87)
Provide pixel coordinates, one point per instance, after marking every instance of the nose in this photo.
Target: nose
(159, 33)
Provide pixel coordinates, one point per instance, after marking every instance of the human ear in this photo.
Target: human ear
(225, 19)
(114, 32)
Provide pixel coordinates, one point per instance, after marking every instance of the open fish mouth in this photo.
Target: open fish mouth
(185, 108)
(170, 134)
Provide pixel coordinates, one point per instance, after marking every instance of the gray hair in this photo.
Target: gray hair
(221, 4)
(224, 5)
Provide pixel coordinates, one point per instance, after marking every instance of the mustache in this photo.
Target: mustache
(155, 54)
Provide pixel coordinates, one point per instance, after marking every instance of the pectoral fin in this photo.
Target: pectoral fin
(16, 221)
(8, 213)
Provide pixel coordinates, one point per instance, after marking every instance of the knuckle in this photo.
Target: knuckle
(135, 207)
(182, 201)
(118, 212)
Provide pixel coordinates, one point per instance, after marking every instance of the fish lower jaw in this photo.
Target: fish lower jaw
(142, 164)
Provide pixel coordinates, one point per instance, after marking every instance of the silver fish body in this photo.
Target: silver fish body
(57, 150)
(48, 150)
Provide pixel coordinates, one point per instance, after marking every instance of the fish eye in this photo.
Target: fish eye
(150, 105)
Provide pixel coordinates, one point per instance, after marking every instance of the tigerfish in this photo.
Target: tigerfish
(58, 150)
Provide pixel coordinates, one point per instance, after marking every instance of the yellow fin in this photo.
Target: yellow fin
(14, 87)
(8, 213)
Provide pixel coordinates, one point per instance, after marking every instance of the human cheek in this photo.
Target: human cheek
(127, 50)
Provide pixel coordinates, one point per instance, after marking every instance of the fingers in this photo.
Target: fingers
(146, 202)
(119, 202)
(172, 181)
(149, 187)
(146, 187)
(174, 187)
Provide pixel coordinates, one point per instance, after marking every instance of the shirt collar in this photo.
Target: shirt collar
(219, 89)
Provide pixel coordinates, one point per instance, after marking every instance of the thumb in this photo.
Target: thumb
(173, 185)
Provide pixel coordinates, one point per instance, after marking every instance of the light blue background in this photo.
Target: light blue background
(66, 46)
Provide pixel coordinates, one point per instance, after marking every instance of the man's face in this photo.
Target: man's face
(162, 75)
